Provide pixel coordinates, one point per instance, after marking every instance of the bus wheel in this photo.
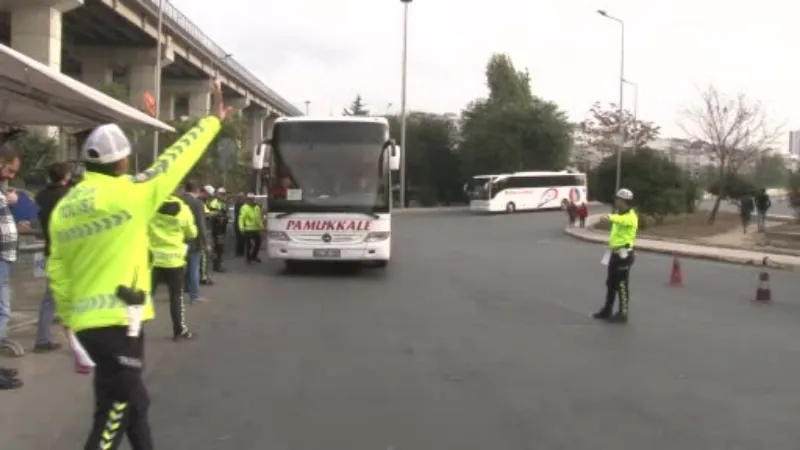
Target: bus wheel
(510, 207)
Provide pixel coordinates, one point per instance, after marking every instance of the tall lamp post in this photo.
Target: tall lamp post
(635, 87)
(157, 73)
(621, 91)
(403, 112)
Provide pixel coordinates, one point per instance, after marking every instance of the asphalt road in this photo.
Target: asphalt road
(477, 337)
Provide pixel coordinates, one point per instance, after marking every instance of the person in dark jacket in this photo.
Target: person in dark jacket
(746, 207)
(197, 245)
(59, 176)
(240, 240)
(763, 203)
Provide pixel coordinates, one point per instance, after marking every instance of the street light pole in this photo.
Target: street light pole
(157, 73)
(635, 112)
(308, 102)
(403, 112)
(621, 92)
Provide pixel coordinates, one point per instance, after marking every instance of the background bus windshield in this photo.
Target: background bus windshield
(329, 166)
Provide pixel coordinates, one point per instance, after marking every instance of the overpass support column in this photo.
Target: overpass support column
(255, 127)
(36, 31)
(167, 106)
(198, 91)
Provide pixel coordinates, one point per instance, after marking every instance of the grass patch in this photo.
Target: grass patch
(687, 226)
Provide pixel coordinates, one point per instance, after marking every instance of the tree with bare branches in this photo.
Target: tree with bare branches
(601, 129)
(736, 130)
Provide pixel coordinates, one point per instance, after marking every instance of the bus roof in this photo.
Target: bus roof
(328, 119)
(530, 174)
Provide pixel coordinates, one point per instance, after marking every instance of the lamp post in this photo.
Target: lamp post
(308, 103)
(403, 112)
(157, 73)
(621, 91)
(635, 110)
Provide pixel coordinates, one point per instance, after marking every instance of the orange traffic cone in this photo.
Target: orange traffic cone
(676, 278)
(763, 292)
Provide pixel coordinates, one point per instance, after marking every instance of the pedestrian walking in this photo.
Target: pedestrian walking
(170, 229)
(251, 223)
(198, 245)
(10, 162)
(572, 213)
(60, 177)
(583, 213)
(763, 204)
(99, 267)
(619, 257)
(218, 207)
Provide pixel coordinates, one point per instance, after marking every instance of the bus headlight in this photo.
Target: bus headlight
(377, 236)
(277, 235)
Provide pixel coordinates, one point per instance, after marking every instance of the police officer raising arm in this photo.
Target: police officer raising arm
(99, 267)
(624, 225)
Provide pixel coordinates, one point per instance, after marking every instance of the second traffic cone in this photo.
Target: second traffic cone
(763, 292)
(676, 277)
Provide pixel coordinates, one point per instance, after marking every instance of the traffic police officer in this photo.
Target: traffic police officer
(99, 273)
(171, 228)
(218, 216)
(205, 276)
(624, 225)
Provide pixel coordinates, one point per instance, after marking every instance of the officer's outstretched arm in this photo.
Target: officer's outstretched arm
(59, 280)
(158, 182)
(625, 220)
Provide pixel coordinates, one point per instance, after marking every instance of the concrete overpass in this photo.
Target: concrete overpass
(105, 41)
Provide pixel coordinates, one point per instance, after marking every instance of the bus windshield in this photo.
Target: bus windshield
(329, 166)
(479, 188)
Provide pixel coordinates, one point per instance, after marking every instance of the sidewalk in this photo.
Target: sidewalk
(706, 252)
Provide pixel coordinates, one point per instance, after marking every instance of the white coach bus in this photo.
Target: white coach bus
(330, 195)
(525, 191)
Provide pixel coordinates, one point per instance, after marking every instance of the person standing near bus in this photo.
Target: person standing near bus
(99, 268)
(171, 229)
(624, 226)
(251, 222)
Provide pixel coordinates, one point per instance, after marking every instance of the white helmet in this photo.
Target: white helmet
(625, 194)
(209, 189)
(221, 190)
(106, 144)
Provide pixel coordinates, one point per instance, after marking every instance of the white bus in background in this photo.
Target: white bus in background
(526, 191)
(330, 189)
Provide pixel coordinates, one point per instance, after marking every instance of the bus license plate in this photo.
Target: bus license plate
(327, 253)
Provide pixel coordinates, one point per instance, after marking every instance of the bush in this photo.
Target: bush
(732, 187)
(659, 186)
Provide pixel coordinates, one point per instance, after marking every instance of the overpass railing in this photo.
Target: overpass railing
(178, 19)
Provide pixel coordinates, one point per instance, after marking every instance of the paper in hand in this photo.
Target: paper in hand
(606, 258)
(83, 362)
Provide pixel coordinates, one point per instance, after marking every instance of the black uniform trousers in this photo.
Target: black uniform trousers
(121, 399)
(240, 240)
(252, 244)
(173, 278)
(205, 276)
(617, 282)
(219, 229)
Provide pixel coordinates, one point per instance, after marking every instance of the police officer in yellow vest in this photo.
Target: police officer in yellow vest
(171, 228)
(251, 222)
(624, 225)
(219, 226)
(99, 271)
(205, 276)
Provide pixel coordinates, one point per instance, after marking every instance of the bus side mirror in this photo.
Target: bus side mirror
(259, 154)
(394, 156)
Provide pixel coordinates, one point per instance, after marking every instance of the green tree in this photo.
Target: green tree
(512, 130)
(601, 129)
(731, 187)
(357, 108)
(659, 186)
(432, 166)
(770, 171)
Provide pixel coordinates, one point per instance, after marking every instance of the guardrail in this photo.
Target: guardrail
(176, 18)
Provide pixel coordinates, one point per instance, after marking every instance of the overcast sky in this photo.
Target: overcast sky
(328, 51)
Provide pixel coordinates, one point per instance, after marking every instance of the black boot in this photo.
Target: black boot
(602, 314)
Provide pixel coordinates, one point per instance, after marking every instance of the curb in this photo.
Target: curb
(22, 324)
(699, 252)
